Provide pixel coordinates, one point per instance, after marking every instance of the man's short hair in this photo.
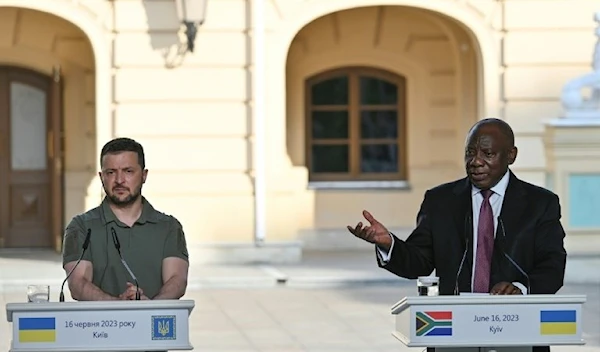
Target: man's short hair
(504, 127)
(124, 144)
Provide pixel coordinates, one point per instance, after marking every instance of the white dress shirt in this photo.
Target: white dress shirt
(496, 201)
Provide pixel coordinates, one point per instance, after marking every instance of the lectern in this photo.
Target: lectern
(100, 326)
(489, 322)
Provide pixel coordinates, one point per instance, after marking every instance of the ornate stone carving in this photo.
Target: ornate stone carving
(576, 105)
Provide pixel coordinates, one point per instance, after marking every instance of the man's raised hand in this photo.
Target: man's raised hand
(375, 233)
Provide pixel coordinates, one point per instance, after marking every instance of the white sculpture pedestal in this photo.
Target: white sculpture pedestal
(573, 164)
(573, 150)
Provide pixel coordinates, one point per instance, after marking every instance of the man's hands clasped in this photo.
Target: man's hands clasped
(505, 288)
(129, 293)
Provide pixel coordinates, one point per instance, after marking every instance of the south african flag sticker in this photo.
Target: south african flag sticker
(434, 323)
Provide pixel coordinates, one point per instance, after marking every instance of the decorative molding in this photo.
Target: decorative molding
(92, 7)
(415, 38)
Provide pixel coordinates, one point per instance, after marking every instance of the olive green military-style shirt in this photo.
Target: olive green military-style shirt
(152, 238)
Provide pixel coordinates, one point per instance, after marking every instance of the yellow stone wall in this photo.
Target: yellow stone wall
(463, 60)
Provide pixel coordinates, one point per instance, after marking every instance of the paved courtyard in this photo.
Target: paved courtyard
(354, 318)
(332, 301)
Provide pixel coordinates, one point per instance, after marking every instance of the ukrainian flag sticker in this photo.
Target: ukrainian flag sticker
(37, 329)
(558, 322)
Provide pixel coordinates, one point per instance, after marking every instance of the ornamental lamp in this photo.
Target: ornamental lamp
(192, 14)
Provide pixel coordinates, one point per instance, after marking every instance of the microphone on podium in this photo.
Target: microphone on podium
(118, 247)
(511, 260)
(464, 256)
(86, 243)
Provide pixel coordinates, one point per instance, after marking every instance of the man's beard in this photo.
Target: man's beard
(130, 199)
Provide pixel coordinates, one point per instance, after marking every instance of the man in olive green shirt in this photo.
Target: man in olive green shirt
(153, 244)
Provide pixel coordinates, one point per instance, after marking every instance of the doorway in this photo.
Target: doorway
(31, 196)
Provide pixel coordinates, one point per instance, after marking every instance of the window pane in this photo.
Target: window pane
(329, 158)
(333, 91)
(374, 91)
(379, 158)
(329, 124)
(378, 124)
(28, 127)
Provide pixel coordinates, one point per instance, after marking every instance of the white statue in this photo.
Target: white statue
(575, 104)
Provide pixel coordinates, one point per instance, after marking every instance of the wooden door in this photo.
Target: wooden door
(29, 130)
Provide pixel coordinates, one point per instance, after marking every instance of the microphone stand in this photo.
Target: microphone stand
(86, 243)
(511, 260)
(118, 247)
(464, 256)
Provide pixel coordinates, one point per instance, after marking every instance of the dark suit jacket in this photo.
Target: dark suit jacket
(532, 237)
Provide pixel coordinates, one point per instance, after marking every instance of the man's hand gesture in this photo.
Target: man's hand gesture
(375, 233)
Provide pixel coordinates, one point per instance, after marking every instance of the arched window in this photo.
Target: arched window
(356, 125)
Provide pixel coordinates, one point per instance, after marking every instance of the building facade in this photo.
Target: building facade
(343, 105)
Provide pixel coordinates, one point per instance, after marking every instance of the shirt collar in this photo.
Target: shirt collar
(499, 188)
(148, 213)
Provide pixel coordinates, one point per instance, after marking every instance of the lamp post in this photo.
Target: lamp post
(192, 14)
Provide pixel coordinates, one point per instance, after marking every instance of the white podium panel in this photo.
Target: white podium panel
(100, 326)
(481, 321)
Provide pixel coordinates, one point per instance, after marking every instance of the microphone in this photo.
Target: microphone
(86, 243)
(462, 261)
(118, 247)
(511, 260)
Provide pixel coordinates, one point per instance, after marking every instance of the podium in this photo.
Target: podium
(97, 326)
(486, 322)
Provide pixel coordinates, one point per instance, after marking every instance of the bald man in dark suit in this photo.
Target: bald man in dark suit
(499, 224)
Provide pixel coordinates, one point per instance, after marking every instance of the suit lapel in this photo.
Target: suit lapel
(463, 211)
(513, 208)
(463, 220)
